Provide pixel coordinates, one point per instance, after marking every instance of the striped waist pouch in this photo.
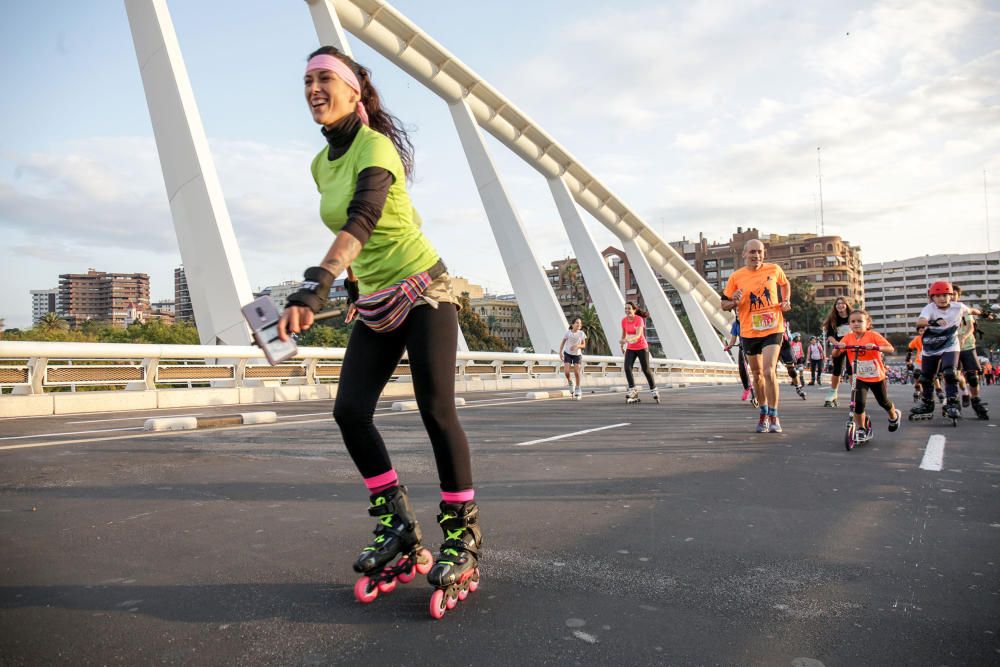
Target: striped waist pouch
(385, 310)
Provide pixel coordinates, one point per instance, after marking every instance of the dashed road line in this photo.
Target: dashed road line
(934, 453)
(569, 435)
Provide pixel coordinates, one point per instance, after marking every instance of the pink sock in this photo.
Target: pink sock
(458, 496)
(380, 483)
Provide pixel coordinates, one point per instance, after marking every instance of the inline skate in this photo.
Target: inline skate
(952, 410)
(924, 411)
(578, 394)
(397, 534)
(655, 395)
(632, 396)
(831, 399)
(980, 408)
(455, 573)
(800, 391)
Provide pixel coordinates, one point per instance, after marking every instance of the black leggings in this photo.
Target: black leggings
(816, 370)
(940, 363)
(880, 390)
(430, 336)
(744, 373)
(643, 357)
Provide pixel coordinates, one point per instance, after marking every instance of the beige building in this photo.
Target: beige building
(502, 317)
(462, 286)
(830, 263)
(102, 297)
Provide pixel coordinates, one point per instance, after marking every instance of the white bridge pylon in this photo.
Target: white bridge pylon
(473, 103)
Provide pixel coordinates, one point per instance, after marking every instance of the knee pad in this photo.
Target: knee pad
(950, 376)
(972, 377)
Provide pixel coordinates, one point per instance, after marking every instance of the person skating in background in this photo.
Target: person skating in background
(634, 346)
(836, 326)
(941, 317)
(817, 357)
(571, 353)
(734, 339)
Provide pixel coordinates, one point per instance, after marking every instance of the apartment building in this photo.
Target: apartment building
(102, 297)
(43, 302)
(831, 264)
(897, 290)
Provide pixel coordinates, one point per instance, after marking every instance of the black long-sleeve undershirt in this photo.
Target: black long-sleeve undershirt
(372, 188)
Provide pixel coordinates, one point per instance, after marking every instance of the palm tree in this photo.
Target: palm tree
(571, 275)
(598, 342)
(52, 322)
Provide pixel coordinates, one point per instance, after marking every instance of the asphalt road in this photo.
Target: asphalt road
(675, 535)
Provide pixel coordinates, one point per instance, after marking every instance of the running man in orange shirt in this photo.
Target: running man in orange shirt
(761, 294)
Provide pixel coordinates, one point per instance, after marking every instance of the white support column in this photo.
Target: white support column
(708, 339)
(539, 307)
(327, 25)
(215, 273)
(608, 299)
(675, 342)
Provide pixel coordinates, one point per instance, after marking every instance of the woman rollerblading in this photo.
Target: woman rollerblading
(403, 298)
(634, 346)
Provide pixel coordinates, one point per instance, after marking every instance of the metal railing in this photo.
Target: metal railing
(36, 367)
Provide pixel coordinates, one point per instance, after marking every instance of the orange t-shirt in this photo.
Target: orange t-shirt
(759, 310)
(917, 345)
(871, 367)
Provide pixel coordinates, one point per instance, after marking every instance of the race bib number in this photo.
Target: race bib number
(763, 321)
(868, 370)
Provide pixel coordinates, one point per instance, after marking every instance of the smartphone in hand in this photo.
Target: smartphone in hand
(262, 316)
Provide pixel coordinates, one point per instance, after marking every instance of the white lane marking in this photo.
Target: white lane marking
(125, 419)
(569, 435)
(933, 454)
(50, 435)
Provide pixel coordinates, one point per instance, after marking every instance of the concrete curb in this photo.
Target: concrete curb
(192, 423)
(539, 395)
(404, 406)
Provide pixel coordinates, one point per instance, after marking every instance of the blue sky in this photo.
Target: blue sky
(703, 116)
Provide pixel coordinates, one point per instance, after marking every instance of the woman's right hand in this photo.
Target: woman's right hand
(294, 320)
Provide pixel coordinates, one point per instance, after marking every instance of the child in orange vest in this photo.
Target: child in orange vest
(871, 370)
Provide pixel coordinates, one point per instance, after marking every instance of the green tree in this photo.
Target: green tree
(476, 333)
(325, 336)
(806, 316)
(52, 322)
(597, 342)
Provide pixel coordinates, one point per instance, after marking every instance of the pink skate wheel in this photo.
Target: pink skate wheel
(463, 593)
(474, 582)
(425, 561)
(387, 586)
(451, 601)
(364, 592)
(438, 605)
(407, 577)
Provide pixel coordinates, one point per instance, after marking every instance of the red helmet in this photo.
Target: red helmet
(940, 287)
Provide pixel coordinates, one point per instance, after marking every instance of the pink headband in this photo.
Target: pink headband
(327, 62)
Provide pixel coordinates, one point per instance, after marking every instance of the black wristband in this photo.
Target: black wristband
(314, 291)
(352, 291)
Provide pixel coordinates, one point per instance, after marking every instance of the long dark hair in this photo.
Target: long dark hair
(831, 320)
(379, 118)
(638, 311)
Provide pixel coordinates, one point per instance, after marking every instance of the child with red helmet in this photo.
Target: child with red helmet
(941, 317)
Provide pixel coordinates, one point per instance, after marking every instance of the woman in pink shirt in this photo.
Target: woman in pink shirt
(634, 345)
